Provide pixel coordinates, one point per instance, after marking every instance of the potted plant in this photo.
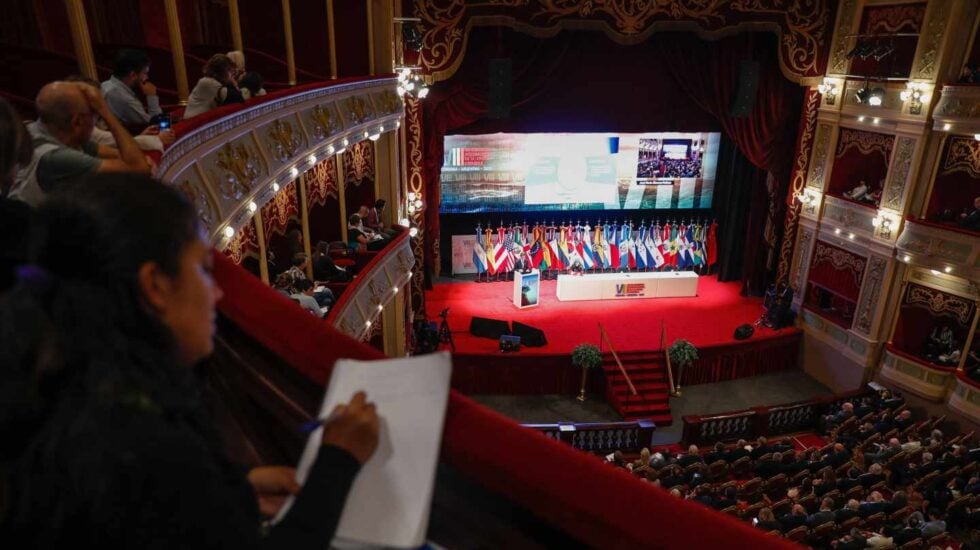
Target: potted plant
(588, 357)
(682, 353)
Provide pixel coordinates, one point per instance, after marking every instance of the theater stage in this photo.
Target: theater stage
(708, 319)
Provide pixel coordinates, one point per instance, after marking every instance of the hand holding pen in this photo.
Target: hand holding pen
(352, 427)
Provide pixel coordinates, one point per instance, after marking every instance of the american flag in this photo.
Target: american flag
(513, 249)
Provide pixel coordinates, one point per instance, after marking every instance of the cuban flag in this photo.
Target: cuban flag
(479, 255)
(585, 248)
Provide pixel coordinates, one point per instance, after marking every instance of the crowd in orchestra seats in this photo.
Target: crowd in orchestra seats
(882, 480)
(680, 168)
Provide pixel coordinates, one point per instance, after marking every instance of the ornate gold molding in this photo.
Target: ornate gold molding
(846, 23)
(798, 183)
(925, 66)
(873, 283)
(841, 260)
(803, 259)
(818, 161)
(940, 303)
(802, 26)
(963, 155)
(284, 140)
(866, 143)
(240, 170)
(416, 184)
(898, 174)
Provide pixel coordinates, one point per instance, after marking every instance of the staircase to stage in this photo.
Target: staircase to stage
(647, 372)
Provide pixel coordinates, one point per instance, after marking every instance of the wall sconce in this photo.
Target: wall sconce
(808, 200)
(828, 89)
(883, 224)
(916, 93)
(411, 83)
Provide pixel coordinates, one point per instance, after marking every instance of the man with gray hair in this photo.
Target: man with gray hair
(63, 150)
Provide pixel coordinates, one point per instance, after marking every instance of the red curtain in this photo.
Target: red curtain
(837, 270)
(581, 81)
(323, 203)
(279, 217)
(359, 176)
(957, 181)
(860, 156)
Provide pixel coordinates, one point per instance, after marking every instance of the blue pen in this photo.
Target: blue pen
(311, 425)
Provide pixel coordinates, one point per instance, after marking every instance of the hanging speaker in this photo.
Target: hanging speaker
(748, 88)
(498, 93)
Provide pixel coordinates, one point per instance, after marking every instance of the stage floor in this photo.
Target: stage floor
(708, 319)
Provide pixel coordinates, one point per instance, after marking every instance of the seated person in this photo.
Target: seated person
(324, 268)
(940, 344)
(371, 216)
(766, 521)
(151, 139)
(323, 295)
(692, 457)
(215, 88)
(971, 220)
(131, 72)
(63, 149)
(303, 294)
(796, 518)
(357, 237)
(249, 82)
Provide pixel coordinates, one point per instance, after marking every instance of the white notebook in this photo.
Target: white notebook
(391, 497)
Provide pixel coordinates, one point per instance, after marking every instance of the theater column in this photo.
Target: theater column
(342, 196)
(263, 255)
(81, 38)
(393, 325)
(236, 25)
(177, 50)
(331, 40)
(287, 24)
(381, 27)
(304, 216)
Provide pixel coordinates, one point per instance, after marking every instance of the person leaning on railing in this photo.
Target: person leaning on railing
(216, 88)
(107, 440)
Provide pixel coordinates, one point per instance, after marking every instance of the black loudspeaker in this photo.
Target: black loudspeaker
(748, 87)
(488, 328)
(498, 95)
(744, 331)
(530, 336)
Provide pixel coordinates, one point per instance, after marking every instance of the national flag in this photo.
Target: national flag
(711, 243)
(624, 247)
(491, 255)
(598, 249)
(692, 247)
(543, 258)
(479, 255)
(653, 250)
(556, 251)
(585, 248)
(613, 245)
(640, 251)
(672, 243)
(682, 255)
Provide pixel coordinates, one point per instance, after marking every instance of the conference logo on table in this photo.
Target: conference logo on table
(630, 290)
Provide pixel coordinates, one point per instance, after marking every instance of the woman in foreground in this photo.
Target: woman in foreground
(105, 436)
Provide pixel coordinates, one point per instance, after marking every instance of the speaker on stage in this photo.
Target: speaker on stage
(530, 336)
(748, 86)
(488, 328)
(498, 94)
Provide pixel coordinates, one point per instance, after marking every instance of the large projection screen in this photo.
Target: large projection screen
(578, 171)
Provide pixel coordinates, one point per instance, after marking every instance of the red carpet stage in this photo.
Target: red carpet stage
(708, 320)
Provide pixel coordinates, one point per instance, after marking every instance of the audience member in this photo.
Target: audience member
(131, 72)
(151, 139)
(303, 293)
(251, 85)
(63, 151)
(324, 268)
(766, 521)
(216, 88)
(358, 239)
(107, 439)
(796, 518)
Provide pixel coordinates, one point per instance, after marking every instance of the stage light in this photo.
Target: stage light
(850, 236)
(229, 231)
(876, 96)
(252, 207)
(861, 118)
(330, 150)
(876, 120)
(394, 289)
(837, 231)
(367, 323)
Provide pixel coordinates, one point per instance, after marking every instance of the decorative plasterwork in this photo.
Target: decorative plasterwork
(919, 379)
(937, 248)
(898, 174)
(239, 158)
(965, 399)
(848, 215)
(873, 283)
(798, 182)
(926, 63)
(963, 156)
(846, 23)
(940, 303)
(853, 345)
(907, 18)
(842, 260)
(819, 159)
(867, 143)
(959, 107)
(374, 288)
(416, 184)
(803, 26)
(802, 260)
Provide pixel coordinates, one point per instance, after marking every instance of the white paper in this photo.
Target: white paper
(391, 497)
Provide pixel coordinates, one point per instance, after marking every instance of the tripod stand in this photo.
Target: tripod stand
(445, 336)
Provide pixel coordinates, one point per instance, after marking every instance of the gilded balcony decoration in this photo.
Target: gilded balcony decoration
(964, 156)
(356, 110)
(201, 199)
(325, 121)
(819, 157)
(873, 283)
(965, 398)
(284, 140)
(239, 170)
(939, 249)
(804, 27)
(917, 377)
(388, 103)
(898, 174)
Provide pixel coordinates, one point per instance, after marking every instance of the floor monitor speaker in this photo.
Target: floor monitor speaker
(530, 336)
(488, 328)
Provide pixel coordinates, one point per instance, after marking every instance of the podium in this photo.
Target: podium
(526, 286)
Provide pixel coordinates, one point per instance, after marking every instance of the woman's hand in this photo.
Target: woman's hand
(273, 484)
(353, 428)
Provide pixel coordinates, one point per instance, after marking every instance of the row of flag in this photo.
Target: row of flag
(604, 246)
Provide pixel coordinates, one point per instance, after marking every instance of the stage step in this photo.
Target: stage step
(646, 372)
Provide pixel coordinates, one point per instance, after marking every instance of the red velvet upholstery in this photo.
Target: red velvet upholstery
(574, 491)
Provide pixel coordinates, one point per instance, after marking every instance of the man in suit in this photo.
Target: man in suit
(894, 447)
(831, 421)
(692, 457)
(761, 448)
(838, 456)
(873, 476)
(875, 504)
(823, 515)
(850, 510)
(796, 518)
(737, 452)
(903, 419)
(717, 454)
(768, 468)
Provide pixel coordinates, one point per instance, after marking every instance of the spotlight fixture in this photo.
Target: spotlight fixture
(863, 94)
(876, 96)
